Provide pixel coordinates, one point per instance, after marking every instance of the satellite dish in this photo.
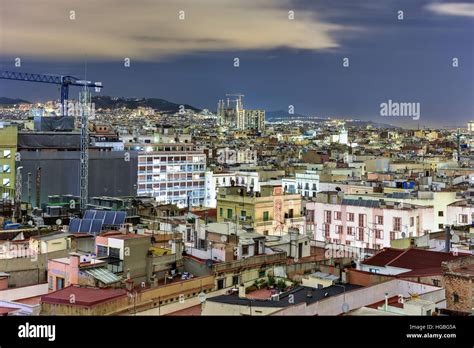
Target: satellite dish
(345, 307)
(223, 239)
(202, 297)
(403, 234)
(452, 233)
(30, 223)
(170, 242)
(59, 222)
(455, 238)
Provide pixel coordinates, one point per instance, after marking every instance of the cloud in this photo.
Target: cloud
(452, 9)
(151, 29)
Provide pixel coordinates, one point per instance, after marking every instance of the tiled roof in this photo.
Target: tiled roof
(383, 257)
(82, 296)
(421, 262)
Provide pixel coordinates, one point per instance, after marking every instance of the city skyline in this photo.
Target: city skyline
(299, 62)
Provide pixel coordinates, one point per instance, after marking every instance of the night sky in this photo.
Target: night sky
(282, 62)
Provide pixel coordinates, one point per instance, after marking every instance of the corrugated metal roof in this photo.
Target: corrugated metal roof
(103, 274)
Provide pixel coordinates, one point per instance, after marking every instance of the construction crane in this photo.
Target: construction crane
(62, 80)
(65, 81)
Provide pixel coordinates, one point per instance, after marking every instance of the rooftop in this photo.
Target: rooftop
(84, 296)
(301, 294)
(419, 261)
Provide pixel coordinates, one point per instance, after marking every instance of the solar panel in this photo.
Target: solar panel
(74, 225)
(89, 214)
(109, 218)
(85, 226)
(120, 218)
(99, 215)
(96, 226)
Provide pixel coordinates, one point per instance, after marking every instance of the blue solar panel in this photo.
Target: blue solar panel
(99, 215)
(74, 225)
(89, 214)
(96, 226)
(94, 220)
(85, 226)
(120, 218)
(109, 218)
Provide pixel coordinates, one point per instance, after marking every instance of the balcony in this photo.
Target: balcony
(296, 220)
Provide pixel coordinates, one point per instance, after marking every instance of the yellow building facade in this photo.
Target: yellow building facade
(268, 212)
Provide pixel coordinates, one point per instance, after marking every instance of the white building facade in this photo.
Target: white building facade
(172, 174)
(366, 224)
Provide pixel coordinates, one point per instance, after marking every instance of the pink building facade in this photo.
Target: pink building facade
(367, 224)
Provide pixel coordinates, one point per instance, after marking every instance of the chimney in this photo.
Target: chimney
(74, 260)
(242, 291)
(447, 238)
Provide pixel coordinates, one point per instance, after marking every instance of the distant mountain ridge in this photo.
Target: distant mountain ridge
(105, 102)
(13, 101)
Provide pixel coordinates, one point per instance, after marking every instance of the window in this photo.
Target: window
(455, 298)
(114, 252)
(6, 182)
(235, 280)
(436, 282)
(261, 274)
(373, 270)
(265, 216)
(229, 213)
(361, 220)
(6, 168)
(463, 218)
(397, 224)
(350, 231)
(378, 234)
(412, 221)
(243, 213)
(102, 251)
(379, 220)
(328, 216)
(440, 226)
(245, 249)
(220, 284)
(221, 212)
(337, 215)
(326, 230)
(7, 154)
(50, 283)
(393, 236)
(339, 229)
(350, 217)
(360, 234)
(440, 213)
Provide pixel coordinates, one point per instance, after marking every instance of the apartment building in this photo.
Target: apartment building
(460, 213)
(172, 173)
(248, 180)
(306, 184)
(362, 223)
(268, 212)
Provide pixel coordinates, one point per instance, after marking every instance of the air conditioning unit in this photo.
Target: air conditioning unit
(275, 297)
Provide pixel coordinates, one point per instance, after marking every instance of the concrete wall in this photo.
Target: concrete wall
(30, 270)
(109, 173)
(24, 292)
(358, 298)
